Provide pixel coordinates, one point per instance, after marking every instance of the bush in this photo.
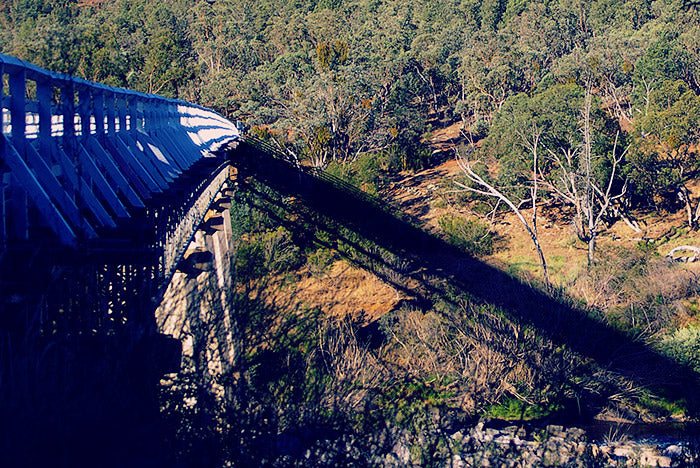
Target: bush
(249, 260)
(320, 260)
(480, 129)
(271, 251)
(245, 217)
(280, 251)
(363, 172)
(473, 237)
(638, 289)
(684, 346)
(404, 156)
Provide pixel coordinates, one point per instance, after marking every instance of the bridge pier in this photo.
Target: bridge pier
(196, 307)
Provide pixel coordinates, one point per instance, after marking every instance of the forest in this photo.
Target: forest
(588, 110)
(334, 81)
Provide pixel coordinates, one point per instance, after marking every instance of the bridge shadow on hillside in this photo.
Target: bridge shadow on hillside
(428, 269)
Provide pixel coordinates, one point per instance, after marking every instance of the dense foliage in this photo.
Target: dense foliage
(336, 79)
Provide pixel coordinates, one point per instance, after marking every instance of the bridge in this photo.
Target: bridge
(104, 174)
(101, 192)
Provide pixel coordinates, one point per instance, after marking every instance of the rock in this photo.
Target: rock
(390, 460)
(490, 434)
(456, 462)
(504, 440)
(647, 458)
(674, 451)
(435, 414)
(624, 451)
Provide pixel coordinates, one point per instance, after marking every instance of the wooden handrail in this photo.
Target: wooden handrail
(70, 144)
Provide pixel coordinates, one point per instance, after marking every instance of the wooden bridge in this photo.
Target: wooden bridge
(101, 192)
(100, 176)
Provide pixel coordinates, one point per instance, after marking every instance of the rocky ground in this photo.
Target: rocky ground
(485, 445)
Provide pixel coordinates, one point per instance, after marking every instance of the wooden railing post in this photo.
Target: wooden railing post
(122, 111)
(68, 111)
(18, 203)
(98, 108)
(132, 112)
(18, 103)
(44, 97)
(85, 111)
(141, 104)
(111, 112)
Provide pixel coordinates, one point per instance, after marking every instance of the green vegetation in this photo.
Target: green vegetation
(514, 409)
(333, 81)
(684, 345)
(357, 86)
(471, 236)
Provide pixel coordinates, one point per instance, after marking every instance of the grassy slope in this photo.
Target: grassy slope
(457, 298)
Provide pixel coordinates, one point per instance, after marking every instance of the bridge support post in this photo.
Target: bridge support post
(18, 205)
(197, 306)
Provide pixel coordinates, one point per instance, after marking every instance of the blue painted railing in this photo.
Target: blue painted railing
(77, 156)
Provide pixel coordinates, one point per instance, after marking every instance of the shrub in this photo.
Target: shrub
(249, 260)
(684, 346)
(638, 289)
(479, 129)
(363, 172)
(513, 408)
(279, 250)
(319, 261)
(268, 252)
(245, 216)
(470, 235)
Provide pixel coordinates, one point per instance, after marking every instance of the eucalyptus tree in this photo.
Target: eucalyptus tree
(514, 146)
(578, 179)
(665, 161)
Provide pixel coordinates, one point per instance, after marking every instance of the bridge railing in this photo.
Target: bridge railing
(77, 156)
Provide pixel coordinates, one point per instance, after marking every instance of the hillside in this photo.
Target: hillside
(360, 327)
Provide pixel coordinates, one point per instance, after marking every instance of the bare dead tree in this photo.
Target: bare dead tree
(482, 187)
(577, 185)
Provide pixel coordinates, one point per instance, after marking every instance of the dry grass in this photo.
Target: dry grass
(340, 291)
(428, 195)
(473, 356)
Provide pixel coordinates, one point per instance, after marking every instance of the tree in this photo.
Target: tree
(479, 184)
(580, 158)
(665, 160)
(574, 179)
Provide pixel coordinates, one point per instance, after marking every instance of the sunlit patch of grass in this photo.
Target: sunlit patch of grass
(514, 409)
(658, 405)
